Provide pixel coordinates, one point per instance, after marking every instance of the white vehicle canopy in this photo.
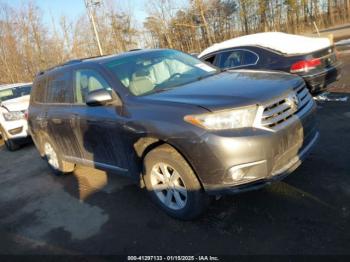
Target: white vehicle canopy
(281, 42)
(14, 95)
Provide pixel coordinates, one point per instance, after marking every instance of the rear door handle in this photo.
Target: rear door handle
(42, 121)
(57, 121)
(73, 119)
(41, 116)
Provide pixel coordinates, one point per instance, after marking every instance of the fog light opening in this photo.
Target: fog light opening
(246, 172)
(237, 174)
(16, 131)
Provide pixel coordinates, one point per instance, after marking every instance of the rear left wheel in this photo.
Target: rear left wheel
(55, 161)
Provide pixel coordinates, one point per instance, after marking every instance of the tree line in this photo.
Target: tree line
(205, 22)
(28, 45)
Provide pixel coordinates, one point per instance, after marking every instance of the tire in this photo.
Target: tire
(54, 160)
(11, 145)
(172, 184)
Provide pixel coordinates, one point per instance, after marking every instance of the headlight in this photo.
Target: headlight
(12, 116)
(228, 119)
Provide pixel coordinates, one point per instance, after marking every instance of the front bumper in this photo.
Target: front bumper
(16, 130)
(274, 177)
(262, 155)
(318, 82)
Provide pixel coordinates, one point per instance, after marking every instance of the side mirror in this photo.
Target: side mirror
(99, 98)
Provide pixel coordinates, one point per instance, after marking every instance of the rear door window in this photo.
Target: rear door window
(87, 80)
(237, 58)
(39, 91)
(59, 88)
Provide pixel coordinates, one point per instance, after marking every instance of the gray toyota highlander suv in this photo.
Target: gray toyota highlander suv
(181, 128)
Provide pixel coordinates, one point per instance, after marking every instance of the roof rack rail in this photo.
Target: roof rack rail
(69, 62)
(92, 57)
(135, 49)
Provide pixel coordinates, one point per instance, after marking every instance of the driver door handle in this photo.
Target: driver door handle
(57, 121)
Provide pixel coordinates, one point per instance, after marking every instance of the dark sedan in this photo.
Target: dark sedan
(317, 64)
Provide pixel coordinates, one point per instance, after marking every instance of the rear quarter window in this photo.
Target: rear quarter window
(38, 94)
(210, 59)
(59, 88)
(237, 58)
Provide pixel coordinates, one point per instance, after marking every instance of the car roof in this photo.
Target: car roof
(7, 86)
(102, 59)
(135, 52)
(281, 42)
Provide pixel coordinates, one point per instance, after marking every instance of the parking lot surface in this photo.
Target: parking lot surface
(90, 212)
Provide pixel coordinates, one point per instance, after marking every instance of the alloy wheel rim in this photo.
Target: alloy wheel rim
(168, 186)
(51, 155)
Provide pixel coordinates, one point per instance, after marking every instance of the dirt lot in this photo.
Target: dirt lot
(89, 213)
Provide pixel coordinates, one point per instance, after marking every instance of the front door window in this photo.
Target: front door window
(86, 81)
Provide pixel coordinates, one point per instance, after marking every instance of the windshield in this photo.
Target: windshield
(156, 71)
(14, 92)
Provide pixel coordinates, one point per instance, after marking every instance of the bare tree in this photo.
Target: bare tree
(27, 45)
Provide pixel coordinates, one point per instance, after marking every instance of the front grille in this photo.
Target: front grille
(284, 108)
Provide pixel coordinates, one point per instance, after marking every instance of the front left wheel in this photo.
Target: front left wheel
(172, 184)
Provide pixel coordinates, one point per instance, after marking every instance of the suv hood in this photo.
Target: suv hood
(231, 89)
(16, 104)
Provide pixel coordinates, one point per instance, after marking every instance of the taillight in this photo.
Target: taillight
(305, 65)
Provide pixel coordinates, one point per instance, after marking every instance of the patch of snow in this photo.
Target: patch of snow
(284, 43)
(331, 97)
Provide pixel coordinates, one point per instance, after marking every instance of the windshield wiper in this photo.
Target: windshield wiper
(225, 69)
(206, 76)
(158, 90)
(155, 91)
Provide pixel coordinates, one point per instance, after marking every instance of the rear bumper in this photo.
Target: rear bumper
(319, 81)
